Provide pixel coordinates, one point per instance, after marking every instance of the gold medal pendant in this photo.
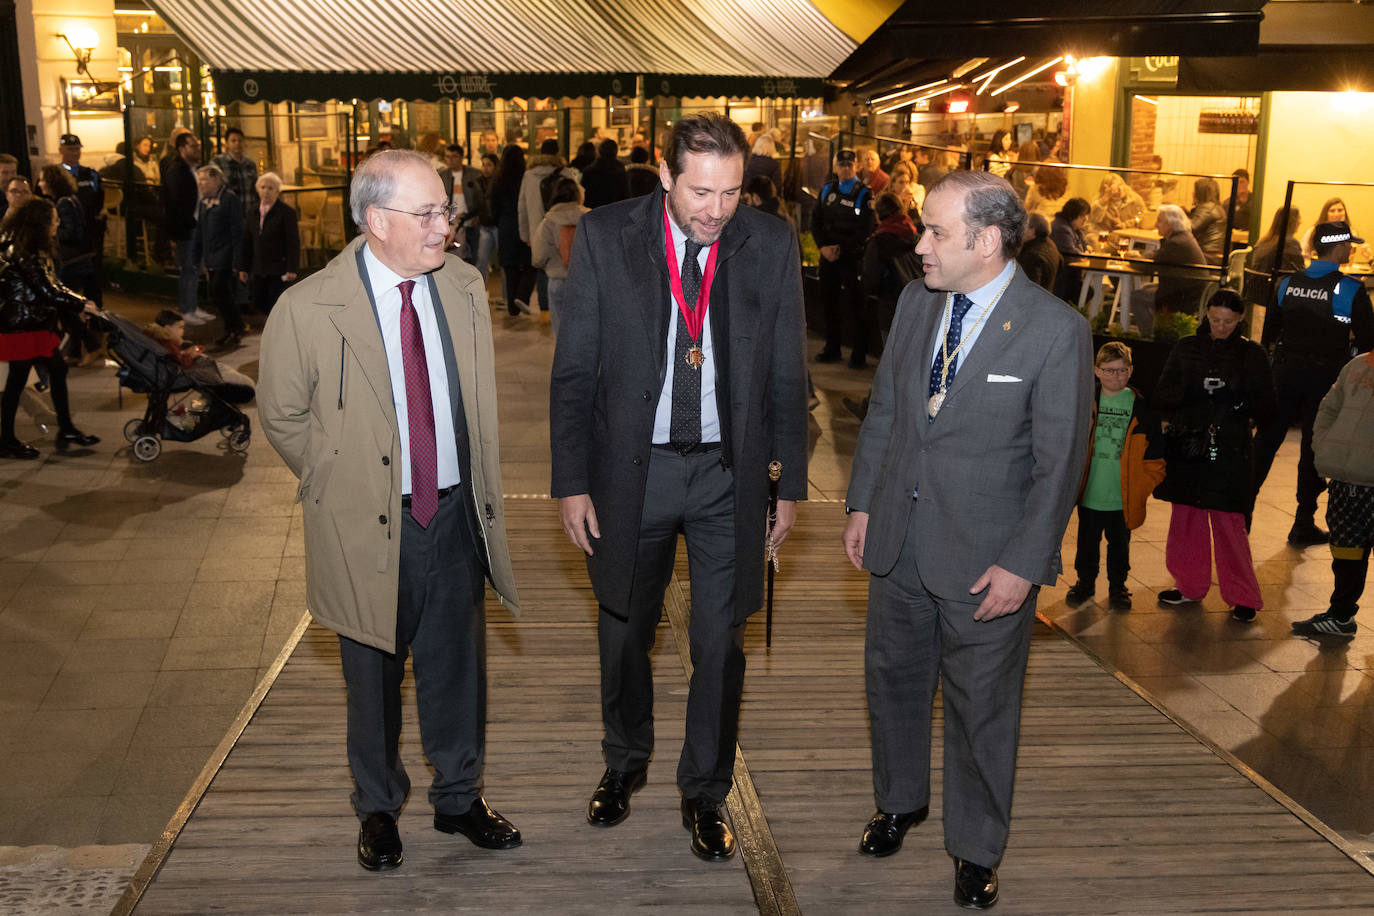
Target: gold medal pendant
(695, 358)
(933, 405)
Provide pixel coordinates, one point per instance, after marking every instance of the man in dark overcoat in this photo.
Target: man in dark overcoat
(679, 375)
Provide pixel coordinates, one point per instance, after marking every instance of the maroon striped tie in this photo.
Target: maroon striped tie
(424, 454)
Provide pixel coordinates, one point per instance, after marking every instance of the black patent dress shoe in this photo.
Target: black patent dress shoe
(610, 802)
(379, 843)
(18, 450)
(480, 824)
(884, 834)
(975, 887)
(229, 341)
(712, 840)
(75, 437)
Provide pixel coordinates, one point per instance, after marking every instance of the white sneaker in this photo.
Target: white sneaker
(204, 316)
(192, 319)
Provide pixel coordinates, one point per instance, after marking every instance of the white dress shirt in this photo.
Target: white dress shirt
(663, 418)
(387, 294)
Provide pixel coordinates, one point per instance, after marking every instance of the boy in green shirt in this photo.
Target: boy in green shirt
(1118, 479)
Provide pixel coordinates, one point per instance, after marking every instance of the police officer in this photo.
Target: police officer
(1309, 330)
(841, 224)
(90, 193)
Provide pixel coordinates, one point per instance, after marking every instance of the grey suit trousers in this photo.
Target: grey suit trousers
(693, 495)
(440, 619)
(915, 641)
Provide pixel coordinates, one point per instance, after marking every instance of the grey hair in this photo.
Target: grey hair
(212, 170)
(1172, 215)
(765, 145)
(375, 182)
(270, 178)
(989, 201)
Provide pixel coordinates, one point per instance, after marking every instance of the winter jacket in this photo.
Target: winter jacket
(531, 206)
(31, 296)
(1142, 467)
(218, 239)
(547, 237)
(643, 179)
(605, 181)
(1210, 396)
(1343, 434)
(324, 404)
(1209, 228)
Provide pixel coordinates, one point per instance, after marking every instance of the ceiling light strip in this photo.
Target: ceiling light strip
(1025, 76)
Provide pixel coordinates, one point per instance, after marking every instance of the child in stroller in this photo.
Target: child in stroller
(156, 362)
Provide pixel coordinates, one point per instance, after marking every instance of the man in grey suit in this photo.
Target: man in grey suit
(679, 375)
(966, 470)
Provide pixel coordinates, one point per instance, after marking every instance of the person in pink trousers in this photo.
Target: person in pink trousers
(1215, 389)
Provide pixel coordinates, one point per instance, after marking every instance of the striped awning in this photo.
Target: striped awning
(762, 39)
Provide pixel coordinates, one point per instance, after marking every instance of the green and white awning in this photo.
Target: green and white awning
(479, 48)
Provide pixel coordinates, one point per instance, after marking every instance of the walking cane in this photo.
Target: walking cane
(771, 555)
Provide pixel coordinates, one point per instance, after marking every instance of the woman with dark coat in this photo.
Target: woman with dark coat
(1208, 220)
(31, 302)
(271, 252)
(1215, 389)
(1066, 231)
(517, 274)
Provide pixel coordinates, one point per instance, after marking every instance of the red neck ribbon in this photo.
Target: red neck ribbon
(696, 315)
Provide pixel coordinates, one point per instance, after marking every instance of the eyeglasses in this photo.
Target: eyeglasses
(1113, 371)
(427, 217)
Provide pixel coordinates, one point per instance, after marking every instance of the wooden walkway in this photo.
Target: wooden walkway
(1118, 810)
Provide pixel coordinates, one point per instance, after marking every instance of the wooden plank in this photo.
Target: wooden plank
(1118, 809)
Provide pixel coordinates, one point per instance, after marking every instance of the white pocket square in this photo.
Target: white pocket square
(992, 377)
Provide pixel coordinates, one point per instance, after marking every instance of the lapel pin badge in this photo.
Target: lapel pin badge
(1007, 326)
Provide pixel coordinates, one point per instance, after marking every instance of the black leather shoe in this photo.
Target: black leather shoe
(480, 824)
(828, 356)
(229, 341)
(16, 449)
(379, 843)
(75, 437)
(1306, 534)
(975, 887)
(712, 840)
(610, 802)
(884, 834)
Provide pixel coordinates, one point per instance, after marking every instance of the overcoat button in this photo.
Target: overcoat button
(381, 519)
(636, 461)
(646, 394)
(386, 460)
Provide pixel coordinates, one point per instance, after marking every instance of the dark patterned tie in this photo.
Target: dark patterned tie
(961, 306)
(424, 454)
(684, 429)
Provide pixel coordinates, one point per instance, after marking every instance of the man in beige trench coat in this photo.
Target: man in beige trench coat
(377, 388)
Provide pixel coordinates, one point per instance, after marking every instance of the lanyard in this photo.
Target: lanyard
(695, 317)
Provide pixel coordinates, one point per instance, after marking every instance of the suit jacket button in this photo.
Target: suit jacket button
(646, 394)
(381, 519)
(386, 460)
(636, 461)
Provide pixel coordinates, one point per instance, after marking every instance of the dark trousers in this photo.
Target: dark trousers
(265, 292)
(541, 286)
(1092, 525)
(517, 282)
(440, 620)
(1350, 575)
(914, 641)
(693, 495)
(1300, 391)
(844, 300)
(18, 377)
(220, 285)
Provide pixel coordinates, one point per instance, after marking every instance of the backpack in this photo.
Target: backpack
(565, 243)
(547, 184)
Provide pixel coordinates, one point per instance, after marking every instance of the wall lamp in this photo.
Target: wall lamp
(83, 40)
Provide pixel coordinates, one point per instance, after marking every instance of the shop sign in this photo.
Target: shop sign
(1155, 71)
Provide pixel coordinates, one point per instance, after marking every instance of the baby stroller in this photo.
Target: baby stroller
(184, 403)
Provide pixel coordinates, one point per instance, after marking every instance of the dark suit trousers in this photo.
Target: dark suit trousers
(914, 641)
(441, 621)
(844, 302)
(693, 495)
